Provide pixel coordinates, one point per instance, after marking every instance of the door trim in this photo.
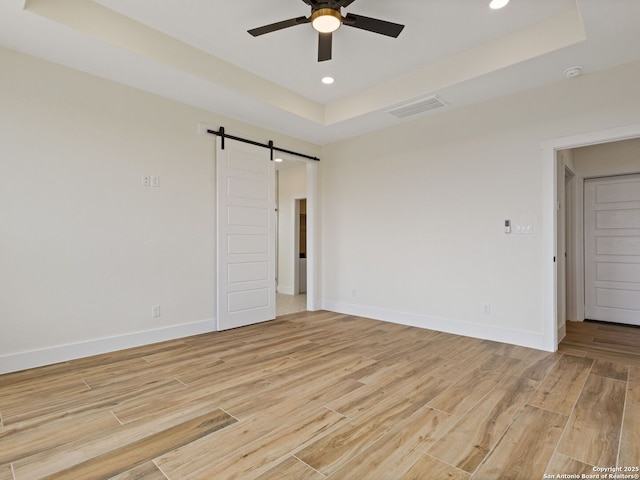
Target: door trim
(313, 235)
(571, 278)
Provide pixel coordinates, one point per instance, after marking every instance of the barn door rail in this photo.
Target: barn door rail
(221, 133)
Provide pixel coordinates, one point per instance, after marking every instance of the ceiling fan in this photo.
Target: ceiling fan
(326, 18)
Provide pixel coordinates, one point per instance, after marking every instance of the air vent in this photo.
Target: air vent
(417, 106)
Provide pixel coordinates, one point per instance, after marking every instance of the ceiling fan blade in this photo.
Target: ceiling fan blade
(374, 25)
(278, 26)
(324, 46)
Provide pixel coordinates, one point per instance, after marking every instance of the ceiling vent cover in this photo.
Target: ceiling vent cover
(417, 106)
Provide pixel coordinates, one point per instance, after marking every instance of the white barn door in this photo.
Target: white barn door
(246, 284)
(612, 249)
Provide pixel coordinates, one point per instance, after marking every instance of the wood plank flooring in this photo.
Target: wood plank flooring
(313, 396)
(605, 341)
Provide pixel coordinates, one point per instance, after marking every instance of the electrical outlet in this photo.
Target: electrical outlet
(354, 293)
(155, 310)
(146, 180)
(486, 308)
(155, 181)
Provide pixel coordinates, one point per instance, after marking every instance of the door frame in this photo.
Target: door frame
(313, 235)
(564, 244)
(550, 180)
(572, 284)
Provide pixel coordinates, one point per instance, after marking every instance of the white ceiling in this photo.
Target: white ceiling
(199, 52)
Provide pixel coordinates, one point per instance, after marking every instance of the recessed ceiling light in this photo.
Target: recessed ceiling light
(496, 4)
(277, 160)
(328, 80)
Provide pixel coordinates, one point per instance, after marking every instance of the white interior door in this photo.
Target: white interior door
(246, 291)
(612, 249)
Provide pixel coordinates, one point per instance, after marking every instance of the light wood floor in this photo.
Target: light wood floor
(320, 395)
(606, 341)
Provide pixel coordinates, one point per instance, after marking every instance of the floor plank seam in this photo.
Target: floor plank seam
(427, 454)
(555, 450)
(500, 437)
(624, 413)
(232, 416)
(547, 410)
(309, 466)
(160, 469)
(121, 459)
(568, 422)
(180, 381)
(116, 417)
(338, 413)
(573, 412)
(448, 413)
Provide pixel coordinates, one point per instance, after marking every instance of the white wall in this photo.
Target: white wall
(292, 186)
(606, 159)
(85, 249)
(413, 215)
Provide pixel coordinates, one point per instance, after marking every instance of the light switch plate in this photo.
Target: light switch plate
(523, 228)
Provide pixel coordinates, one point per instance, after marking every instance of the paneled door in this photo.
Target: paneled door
(612, 249)
(246, 285)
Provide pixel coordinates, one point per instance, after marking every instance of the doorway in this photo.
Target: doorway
(300, 247)
(551, 150)
(246, 235)
(292, 240)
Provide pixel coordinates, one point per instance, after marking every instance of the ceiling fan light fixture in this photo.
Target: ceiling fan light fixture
(326, 20)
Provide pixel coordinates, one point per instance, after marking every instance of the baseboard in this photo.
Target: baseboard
(562, 332)
(286, 290)
(48, 356)
(486, 332)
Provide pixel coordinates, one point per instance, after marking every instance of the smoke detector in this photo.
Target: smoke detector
(573, 72)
